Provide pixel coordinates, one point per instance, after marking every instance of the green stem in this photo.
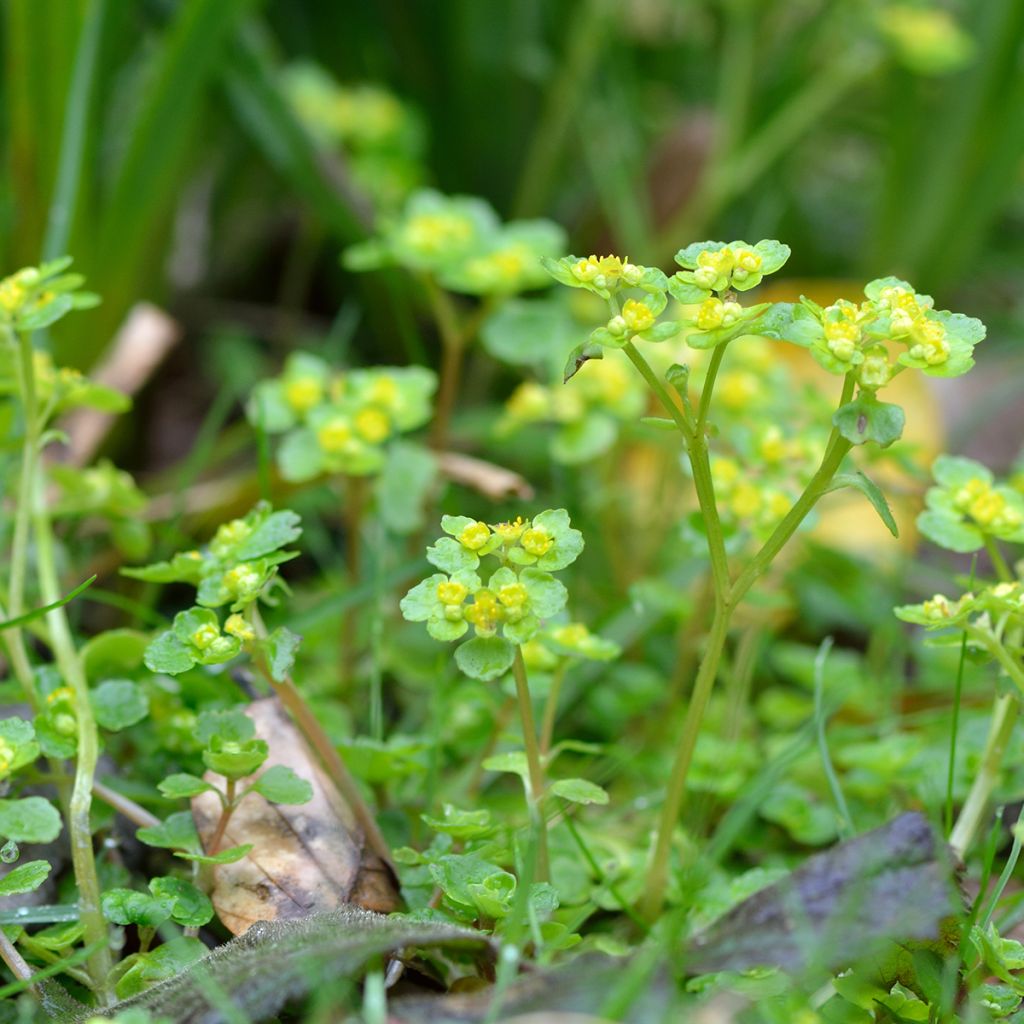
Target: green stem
(23, 512)
(534, 763)
(998, 562)
(229, 804)
(814, 490)
(680, 418)
(1004, 716)
(70, 667)
(547, 726)
(657, 876)
(452, 350)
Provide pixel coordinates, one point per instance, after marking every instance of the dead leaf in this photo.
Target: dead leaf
(305, 857)
(256, 974)
(892, 884)
(492, 481)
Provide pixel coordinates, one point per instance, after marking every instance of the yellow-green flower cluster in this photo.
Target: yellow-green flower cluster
(519, 594)
(967, 505)
(926, 39)
(461, 240)
(847, 337)
(382, 138)
(339, 422)
(588, 409)
(1001, 603)
(34, 297)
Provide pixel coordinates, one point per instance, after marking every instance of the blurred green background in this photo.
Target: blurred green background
(160, 143)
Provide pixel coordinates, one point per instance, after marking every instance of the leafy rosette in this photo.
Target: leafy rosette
(339, 423)
(967, 505)
(718, 266)
(520, 594)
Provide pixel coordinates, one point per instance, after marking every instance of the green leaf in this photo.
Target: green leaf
(125, 906)
(461, 824)
(169, 654)
(585, 439)
(280, 648)
(529, 332)
(513, 762)
(177, 832)
(299, 456)
(950, 532)
(866, 419)
(190, 907)
(24, 878)
(485, 657)
(32, 819)
(579, 791)
(280, 785)
(450, 556)
(20, 747)
(38, 613)
(228, 723)
(183, 786)
(404, 486)
(581, 354)
(119, 703)
(228, 856)
(163, 963)
(277, 531)
(235, 760)
(871, 491)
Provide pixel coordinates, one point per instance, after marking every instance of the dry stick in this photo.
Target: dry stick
(124, 806)
(301, 712)
(14, 960)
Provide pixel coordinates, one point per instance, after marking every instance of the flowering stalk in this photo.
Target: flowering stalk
(535, 765)
(70, 667)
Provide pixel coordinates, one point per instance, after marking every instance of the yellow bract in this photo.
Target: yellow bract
(510, 532)
(929, 342)
(513, 596)
(485, 612)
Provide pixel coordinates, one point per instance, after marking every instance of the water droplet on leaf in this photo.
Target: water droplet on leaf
(9, 852)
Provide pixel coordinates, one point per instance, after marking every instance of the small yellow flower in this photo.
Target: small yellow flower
(513, 596)
(204, 636)
(372, 425)
(745, 501)
(475, 536)
(927, 341)
(484, 613)
(748, 260)
(241, 578)
(772, 446)
(988, 508)
(434, 232)
(510, 532)
(537, 541)
(637, 315)
(303, 393)
(975, 488)
(62, 695)
(937, 608)
(572, 634)
(335, 436)
(531, 401)
(875, 371)
(228, 535)
(451, 592)
(239, 628)
(710, 314)
(737, 388)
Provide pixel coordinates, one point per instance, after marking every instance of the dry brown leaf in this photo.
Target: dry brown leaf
(305, 857)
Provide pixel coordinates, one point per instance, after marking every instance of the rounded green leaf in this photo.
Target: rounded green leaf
(190, 907)
(32, 819)
(280, 785)
(485, 657)
(183, 786)
(24, 878)
(866, 419)
(119, 703)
